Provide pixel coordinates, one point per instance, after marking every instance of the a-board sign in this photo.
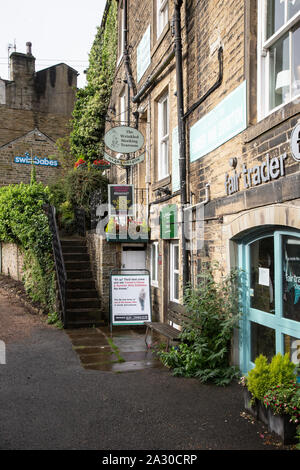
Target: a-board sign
(124, 139)
(130, 302)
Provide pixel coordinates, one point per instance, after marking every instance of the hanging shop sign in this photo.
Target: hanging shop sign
(27, 160)
(122, 162)
(168, 222)
(130, 301)
(124, 139)
(121, 199)
(270, 169)
(295, 143)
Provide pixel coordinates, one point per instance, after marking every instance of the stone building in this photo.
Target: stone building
(35, 109)
(214, 87)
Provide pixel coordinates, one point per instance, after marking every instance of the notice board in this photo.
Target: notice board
(130, 298)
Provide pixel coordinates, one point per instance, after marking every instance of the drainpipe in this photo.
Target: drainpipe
(129, 77)
(181, 136)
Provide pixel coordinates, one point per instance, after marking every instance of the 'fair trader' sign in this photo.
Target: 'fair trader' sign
(270, 169)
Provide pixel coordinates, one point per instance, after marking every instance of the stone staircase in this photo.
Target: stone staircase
(83, 307)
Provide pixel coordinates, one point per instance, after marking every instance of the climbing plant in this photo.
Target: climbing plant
(88, 120)
(23, 221)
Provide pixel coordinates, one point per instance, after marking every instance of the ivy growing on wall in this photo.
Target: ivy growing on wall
(88, 121)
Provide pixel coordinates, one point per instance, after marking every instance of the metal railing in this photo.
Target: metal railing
(59, 261)
(80, 221)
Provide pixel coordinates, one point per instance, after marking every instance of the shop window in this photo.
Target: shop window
(163, 137)
(279, 54)
(174, 272)
(162, 15)
(262, 341)
(262, 275)
(291, 277)
(292, 348)
(154, 264)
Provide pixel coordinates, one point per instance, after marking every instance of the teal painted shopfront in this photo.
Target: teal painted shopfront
(270, 263)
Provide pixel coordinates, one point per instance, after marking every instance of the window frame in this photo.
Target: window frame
(154, 281)
(263, 58)
(163, 139)
(122, 108)
(174, 271)
(162, 16)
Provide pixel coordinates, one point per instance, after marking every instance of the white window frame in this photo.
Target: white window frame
(154, 261)
(263, 58)
(162, 16)
(163, 138)
(174, 271)
(122, 108)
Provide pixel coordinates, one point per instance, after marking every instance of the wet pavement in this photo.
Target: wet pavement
(121, 350)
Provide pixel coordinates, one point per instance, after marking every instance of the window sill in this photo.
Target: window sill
(272, 120)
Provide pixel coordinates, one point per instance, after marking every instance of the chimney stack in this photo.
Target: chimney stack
(28, 48)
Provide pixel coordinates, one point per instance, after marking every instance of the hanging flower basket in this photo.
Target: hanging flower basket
(81, 163)
(100, 164)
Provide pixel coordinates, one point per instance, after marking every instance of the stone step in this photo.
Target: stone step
(76, 257)
(85, 303)
(69, 249)
(73, 242)
(83, 314)
(82, 293)
(85, 323)
(80, 284)
(87, 274)
(77, 266)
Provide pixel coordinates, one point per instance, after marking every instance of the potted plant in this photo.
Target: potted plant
(272, 395)
(283, 405)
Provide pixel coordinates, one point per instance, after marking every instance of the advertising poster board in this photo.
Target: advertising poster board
(121, 199)
(130, 298)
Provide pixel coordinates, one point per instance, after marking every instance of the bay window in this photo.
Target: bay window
(278, 54)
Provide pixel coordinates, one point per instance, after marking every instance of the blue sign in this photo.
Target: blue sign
(225, 121)
(27, 160)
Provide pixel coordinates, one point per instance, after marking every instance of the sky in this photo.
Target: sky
(59, 30)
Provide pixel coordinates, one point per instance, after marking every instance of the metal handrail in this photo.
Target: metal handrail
(59, 261)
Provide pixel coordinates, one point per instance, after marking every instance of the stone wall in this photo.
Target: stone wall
(12, 260)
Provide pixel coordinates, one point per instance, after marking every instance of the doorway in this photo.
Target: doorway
(271, 296)
(133, 257)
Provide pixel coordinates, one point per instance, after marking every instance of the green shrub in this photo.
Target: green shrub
(24, 222)
(205, 341)
(265, 375)
(258, 380)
